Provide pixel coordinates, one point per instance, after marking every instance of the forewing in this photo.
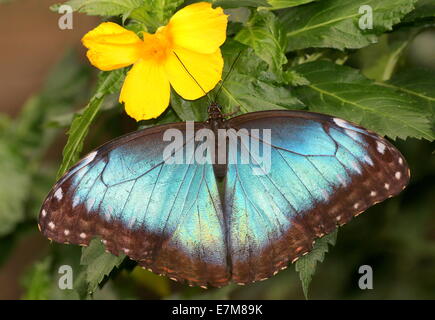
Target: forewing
(168, 217)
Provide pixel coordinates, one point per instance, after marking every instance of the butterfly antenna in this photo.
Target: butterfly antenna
(205, 93)
(227, 75)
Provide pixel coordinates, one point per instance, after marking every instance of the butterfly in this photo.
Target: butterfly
(206, 223)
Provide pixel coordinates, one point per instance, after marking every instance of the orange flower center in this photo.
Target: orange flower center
(156, 46)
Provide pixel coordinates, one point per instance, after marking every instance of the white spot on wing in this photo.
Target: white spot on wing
(89, 158)
(90, 203)
(109, 212)
(341, 122)
(44, 213)
(398, 175)
(51, 225)
(368, 160)
(341, 179)
(131, 222)
(380, 147)
(82, 235)
(356, 166)
(373, 193)
(66, 232)
(387, 186)
(58, 194)
(76, 201)
(356, 205)
(400, 161)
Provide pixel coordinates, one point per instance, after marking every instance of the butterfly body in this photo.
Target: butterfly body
(216, 121)
(210, 223)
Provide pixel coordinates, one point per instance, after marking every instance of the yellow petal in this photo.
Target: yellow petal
(111, 46)
(145, 91)
(205, 68)
(198, 27)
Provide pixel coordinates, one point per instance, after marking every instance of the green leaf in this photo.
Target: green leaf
(95, 265)
(77, 134)
(163, 9)
(295, 79)
(189, 110)
(98, 264)
(382, 58)
(101, 7)
(236, 19)
(239, 3)
(386, 54)
(306, 265)
(282, 4)
(169, 116)
(334, 23)
(109, 83)
(265, 35)
(423, 9)
(155, 13)
(418, 83)
(245, 92)
(342, 91)
(251, 86)
(37, 281)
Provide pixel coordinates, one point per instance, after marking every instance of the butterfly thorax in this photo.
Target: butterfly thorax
(216, 121)
(215, 117)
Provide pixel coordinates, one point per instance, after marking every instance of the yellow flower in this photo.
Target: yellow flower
(191, 38)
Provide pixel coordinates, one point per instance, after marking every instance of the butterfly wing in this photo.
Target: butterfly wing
(168, 217)
(323, 171)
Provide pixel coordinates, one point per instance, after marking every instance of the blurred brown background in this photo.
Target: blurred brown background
(31, 42)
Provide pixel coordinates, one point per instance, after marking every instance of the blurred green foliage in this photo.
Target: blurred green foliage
(295, 54)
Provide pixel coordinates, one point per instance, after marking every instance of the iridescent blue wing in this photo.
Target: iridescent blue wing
(168, 217)
(323, 172)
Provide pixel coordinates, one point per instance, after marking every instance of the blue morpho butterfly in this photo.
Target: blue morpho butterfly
(208, 224)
